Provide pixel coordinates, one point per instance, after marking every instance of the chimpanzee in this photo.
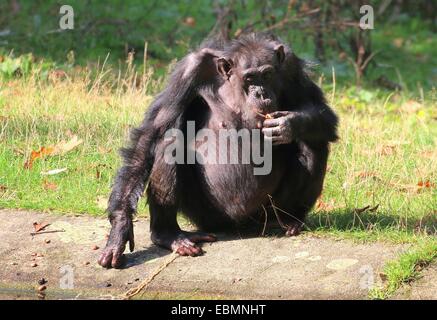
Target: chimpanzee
(253, 82)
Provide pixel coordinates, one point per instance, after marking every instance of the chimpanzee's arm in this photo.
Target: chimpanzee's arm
(164, 113)
(310, 123)
(311, 120)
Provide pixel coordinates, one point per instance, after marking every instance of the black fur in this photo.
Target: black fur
(192, 94)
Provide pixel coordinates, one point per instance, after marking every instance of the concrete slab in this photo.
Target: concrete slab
(304, 267)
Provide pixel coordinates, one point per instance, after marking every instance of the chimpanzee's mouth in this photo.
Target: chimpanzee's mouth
(264, 107)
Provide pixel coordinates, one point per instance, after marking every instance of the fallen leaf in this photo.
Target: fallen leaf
(64, 147)
(386, 150)
(325, 206)
(366, 208)
(47, 185)
(98, 173)
(411, 106)
(361, 210)
(422, 185)
(367, 174)
(429, 154)
(190, 21)
(40, 226)
(43, 151)
(398, 42)
(104, 150)
(374, 208)
(53, 172)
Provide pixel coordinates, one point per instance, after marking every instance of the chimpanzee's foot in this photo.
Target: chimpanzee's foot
(293, 228)
(183, 242)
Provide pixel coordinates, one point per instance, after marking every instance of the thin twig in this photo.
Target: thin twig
(265, 221)
(134, 291)
(50, 231)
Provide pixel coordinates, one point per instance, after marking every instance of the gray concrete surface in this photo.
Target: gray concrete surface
(304, 267)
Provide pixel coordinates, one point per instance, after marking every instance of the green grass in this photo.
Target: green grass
(405, 269)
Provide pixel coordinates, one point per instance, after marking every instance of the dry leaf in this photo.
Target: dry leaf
(367, 174)
(104, 150)
(190, 21)
(64, 147)
(411, 106)
(325, 206)
(53, 172)
(398, 42)
(49, 185)
(43, 151)
(425, 184)
(366, 208)
(429, 154)
(386, 150)
(40, 226)
(59, 149)
(361, 210)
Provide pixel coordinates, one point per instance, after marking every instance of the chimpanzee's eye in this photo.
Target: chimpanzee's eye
(248, 79)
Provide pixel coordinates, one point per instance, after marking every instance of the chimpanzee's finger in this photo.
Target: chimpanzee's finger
(117, 260)
(268, 123)
(278, 114)
(271, 132)
(131, 240)
(105, 259)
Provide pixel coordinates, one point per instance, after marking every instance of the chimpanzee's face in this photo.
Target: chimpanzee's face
(252, 79)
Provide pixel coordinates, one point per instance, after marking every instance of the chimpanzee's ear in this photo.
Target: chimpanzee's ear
(280, 54)
(224, 67)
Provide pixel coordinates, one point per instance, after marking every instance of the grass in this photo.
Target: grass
(405, 269)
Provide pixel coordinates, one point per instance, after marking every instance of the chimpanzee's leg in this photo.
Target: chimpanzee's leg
(163, 201)
(301, 186)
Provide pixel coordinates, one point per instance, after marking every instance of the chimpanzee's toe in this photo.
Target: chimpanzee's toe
(185, 247)
(294, 229)
(111, 258)
(183, 242)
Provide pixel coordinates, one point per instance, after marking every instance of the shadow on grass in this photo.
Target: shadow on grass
(351, 220)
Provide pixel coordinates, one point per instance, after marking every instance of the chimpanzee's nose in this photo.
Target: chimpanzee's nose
(260, 93)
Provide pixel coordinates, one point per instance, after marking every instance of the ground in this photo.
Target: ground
(304, 267)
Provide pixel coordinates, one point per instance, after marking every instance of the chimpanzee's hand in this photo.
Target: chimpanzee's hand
(122, 231)
(278, 127)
